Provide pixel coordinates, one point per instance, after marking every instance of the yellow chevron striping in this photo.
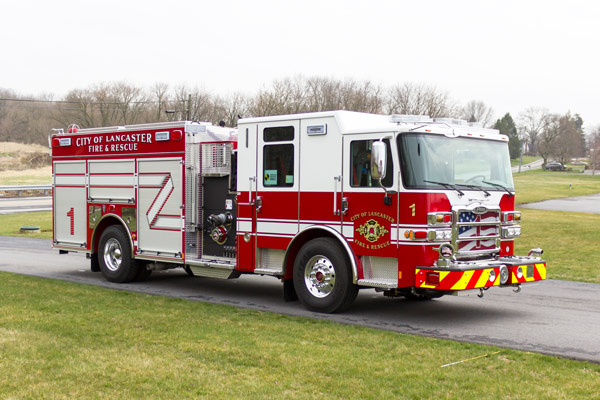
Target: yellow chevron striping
(485, 276)
(541, 270)
(463, 281)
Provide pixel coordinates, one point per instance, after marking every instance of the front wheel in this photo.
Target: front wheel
(322, 276)
(114, 256)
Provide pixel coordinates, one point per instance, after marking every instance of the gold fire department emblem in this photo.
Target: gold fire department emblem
(371, 230)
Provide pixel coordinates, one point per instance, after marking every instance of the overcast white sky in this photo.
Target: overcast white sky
(509, 54)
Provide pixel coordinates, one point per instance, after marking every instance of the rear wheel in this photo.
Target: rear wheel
(322, 276)
(114, 256)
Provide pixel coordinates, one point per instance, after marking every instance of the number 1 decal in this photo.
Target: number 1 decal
(412, 207)
(71, 215)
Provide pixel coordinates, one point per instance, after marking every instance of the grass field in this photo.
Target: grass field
(538, 185)
(10, 224)
(65, 340)
(570, 241)
(526, 160)
(38, 176)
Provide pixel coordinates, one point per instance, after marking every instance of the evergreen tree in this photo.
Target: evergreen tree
(507, 127)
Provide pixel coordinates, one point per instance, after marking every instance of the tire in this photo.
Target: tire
(322, 276)
(114, 256)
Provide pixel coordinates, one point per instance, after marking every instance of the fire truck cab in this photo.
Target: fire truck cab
(328, 202)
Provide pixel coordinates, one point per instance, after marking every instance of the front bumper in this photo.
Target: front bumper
(481, 274)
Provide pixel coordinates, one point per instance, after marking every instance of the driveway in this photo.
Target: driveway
(585, 204)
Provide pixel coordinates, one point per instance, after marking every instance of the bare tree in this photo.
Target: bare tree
(410, 98)
(568, 143)
(594, 149)
(532, 123)
(477, 111)
(233, 106)
(160, 91)
(547, 137)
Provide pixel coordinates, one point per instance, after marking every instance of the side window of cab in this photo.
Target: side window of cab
(278, 156)
(360, 164)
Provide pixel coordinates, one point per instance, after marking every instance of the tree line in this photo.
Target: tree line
(28, 119)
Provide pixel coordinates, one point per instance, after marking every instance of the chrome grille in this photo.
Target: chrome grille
(476, 231)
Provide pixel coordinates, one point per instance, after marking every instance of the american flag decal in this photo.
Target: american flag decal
(477, 232)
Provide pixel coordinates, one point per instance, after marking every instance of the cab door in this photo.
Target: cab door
(277, 199)
(373, 231)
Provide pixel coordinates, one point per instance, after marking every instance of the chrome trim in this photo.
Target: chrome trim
(340, 239)
(456, 225)
(122, 223)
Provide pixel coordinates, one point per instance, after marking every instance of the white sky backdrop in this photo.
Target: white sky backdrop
(509, 54)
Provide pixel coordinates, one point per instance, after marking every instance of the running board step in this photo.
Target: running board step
(212, 269)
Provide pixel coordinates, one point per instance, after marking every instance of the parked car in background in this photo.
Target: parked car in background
(577, 162)
(554, 166)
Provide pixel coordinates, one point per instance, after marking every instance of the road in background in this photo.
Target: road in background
(526, 167)
(585, 204)
(554, 317)
(11, 205)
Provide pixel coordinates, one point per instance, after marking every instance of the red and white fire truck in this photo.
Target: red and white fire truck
(328, 202)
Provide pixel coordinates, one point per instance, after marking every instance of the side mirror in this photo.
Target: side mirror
(378, 160)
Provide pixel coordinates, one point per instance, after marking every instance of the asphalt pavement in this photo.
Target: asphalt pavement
(553, 317)
(585, 204)
(12, 205)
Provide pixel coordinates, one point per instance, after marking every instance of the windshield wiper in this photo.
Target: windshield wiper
(487, 194)
(447, 186)
(510, 194)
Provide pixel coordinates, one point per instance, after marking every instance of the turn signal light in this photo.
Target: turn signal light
(439, 218)
(420, 235)
(512, 217)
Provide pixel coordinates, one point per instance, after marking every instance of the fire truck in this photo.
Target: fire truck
(327, 202)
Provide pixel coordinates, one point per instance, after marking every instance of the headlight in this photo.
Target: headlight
(511, 232)
(440, 235)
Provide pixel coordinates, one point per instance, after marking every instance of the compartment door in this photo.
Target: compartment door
(69, 199)
(160, 208)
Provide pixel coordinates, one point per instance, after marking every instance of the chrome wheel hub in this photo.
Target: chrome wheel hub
(112, 254)
(319, 276)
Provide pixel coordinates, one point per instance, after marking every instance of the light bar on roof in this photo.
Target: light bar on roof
(399, 118)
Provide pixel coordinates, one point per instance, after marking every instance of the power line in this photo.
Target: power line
(90, 102)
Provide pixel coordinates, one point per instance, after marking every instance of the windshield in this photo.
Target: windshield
(436, 161)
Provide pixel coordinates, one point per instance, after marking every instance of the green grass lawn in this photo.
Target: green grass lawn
(538, 185)
(10, 224)
(66, 340)
(570, 241)
(526, 160)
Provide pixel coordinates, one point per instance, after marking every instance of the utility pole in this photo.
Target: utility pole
(189, 108)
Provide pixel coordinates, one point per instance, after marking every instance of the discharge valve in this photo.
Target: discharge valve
(218, 226)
